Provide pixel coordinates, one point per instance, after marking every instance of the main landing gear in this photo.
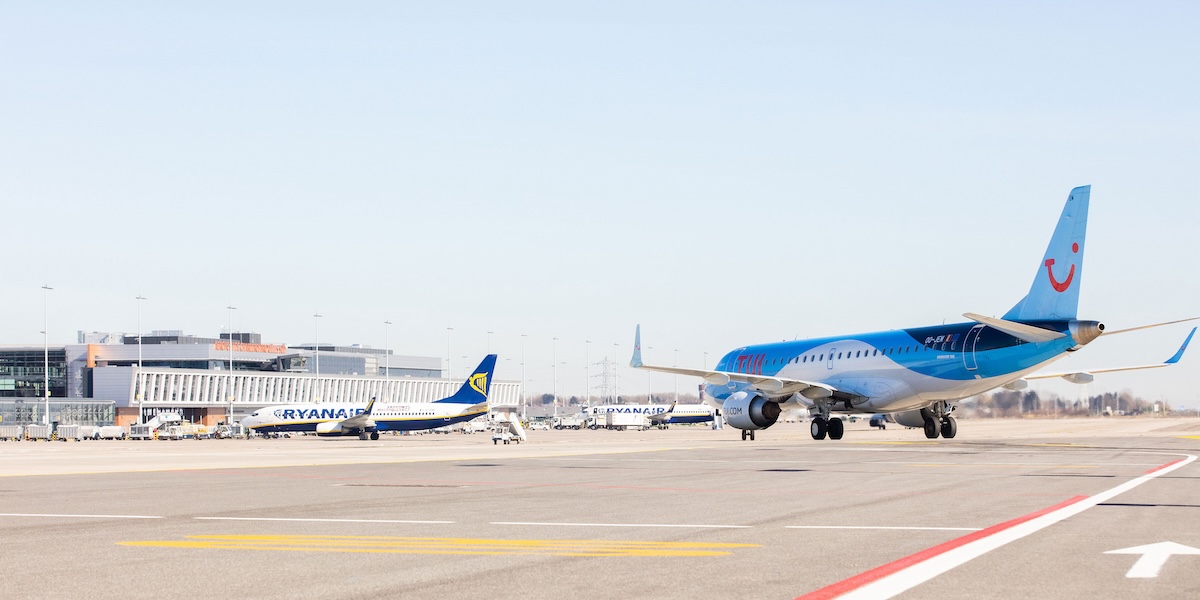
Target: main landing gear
(939, 422)
(822, 426)
(747, 434)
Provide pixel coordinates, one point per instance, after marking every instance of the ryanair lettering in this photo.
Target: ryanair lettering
(634, 410)
(315, 414)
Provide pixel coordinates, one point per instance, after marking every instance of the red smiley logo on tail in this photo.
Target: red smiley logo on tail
(1061, 287)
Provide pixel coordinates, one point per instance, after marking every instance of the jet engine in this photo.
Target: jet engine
(909, 418)
(329, 428)
(750, 411)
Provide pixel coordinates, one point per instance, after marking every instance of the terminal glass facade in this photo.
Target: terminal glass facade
(23, 372)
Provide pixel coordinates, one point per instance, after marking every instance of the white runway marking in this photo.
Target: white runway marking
(624, 525)
(78, 516)
(895, 578)
(881, 527)
(1006, 464)
(324, 520)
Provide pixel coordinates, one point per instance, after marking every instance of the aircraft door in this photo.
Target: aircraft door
(968, 347)
(829, 363)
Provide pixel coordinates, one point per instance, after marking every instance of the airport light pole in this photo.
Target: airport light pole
(46, 350)
(650, 381)
(229, 394)
(138, 397)
(449, 356)
(316, 344)
(554, 367)
(616, 372)
(523, 410)
(587, 365)
(676, 365)
(139, 298)
(489, 344)
(387, 364)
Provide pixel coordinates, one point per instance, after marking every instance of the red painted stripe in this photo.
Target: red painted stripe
(1161, 467)
(857, 581)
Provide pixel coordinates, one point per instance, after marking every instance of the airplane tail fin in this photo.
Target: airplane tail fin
(475, 389)
(636, 361)
(1055, 290)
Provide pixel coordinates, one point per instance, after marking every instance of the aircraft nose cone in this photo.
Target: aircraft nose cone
(1086, 331)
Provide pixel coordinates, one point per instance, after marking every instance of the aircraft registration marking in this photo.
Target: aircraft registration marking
(431, 545)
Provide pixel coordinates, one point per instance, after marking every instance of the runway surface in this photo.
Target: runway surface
(1008, 509)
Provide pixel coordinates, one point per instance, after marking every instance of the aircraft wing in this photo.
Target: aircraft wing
(360, 421)
(663, 416)
(775, 387)
(1088, 376)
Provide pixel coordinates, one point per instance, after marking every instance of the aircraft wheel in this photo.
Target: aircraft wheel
(363, 436)
(836, 429)
(818, 428)
(949, 427)
(745, 434)
(933, 428)
(752, 435)
(374, 435)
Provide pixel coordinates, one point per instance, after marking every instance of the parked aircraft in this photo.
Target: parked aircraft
(682, 413)
(917, 375)
(657, 414)
(367, 421)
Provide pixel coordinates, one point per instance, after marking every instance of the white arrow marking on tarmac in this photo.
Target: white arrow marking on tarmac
(1154, 556)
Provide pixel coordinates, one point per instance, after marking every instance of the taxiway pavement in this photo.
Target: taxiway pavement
(1015, 508)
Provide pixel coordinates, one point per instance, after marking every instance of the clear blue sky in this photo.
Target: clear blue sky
(722, 173)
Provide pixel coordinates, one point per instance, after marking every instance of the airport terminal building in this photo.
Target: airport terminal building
(193, 376)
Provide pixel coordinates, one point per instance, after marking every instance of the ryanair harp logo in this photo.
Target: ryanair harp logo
(478, 383)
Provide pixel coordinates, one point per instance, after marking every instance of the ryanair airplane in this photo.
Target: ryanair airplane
(918, 375)
(658, 414)
(366, 422)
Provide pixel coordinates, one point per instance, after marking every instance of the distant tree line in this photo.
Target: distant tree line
(1007, 404)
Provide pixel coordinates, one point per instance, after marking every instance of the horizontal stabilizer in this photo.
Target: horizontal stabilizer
(1021, 331)
(1141, 327)
(1088, 376)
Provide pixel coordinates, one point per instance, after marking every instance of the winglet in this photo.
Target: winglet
(636, 361)
(1179, 355)
(370, 405)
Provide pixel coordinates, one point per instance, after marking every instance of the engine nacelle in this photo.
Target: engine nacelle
(329, 428)
(909, 418)
(750, 411)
